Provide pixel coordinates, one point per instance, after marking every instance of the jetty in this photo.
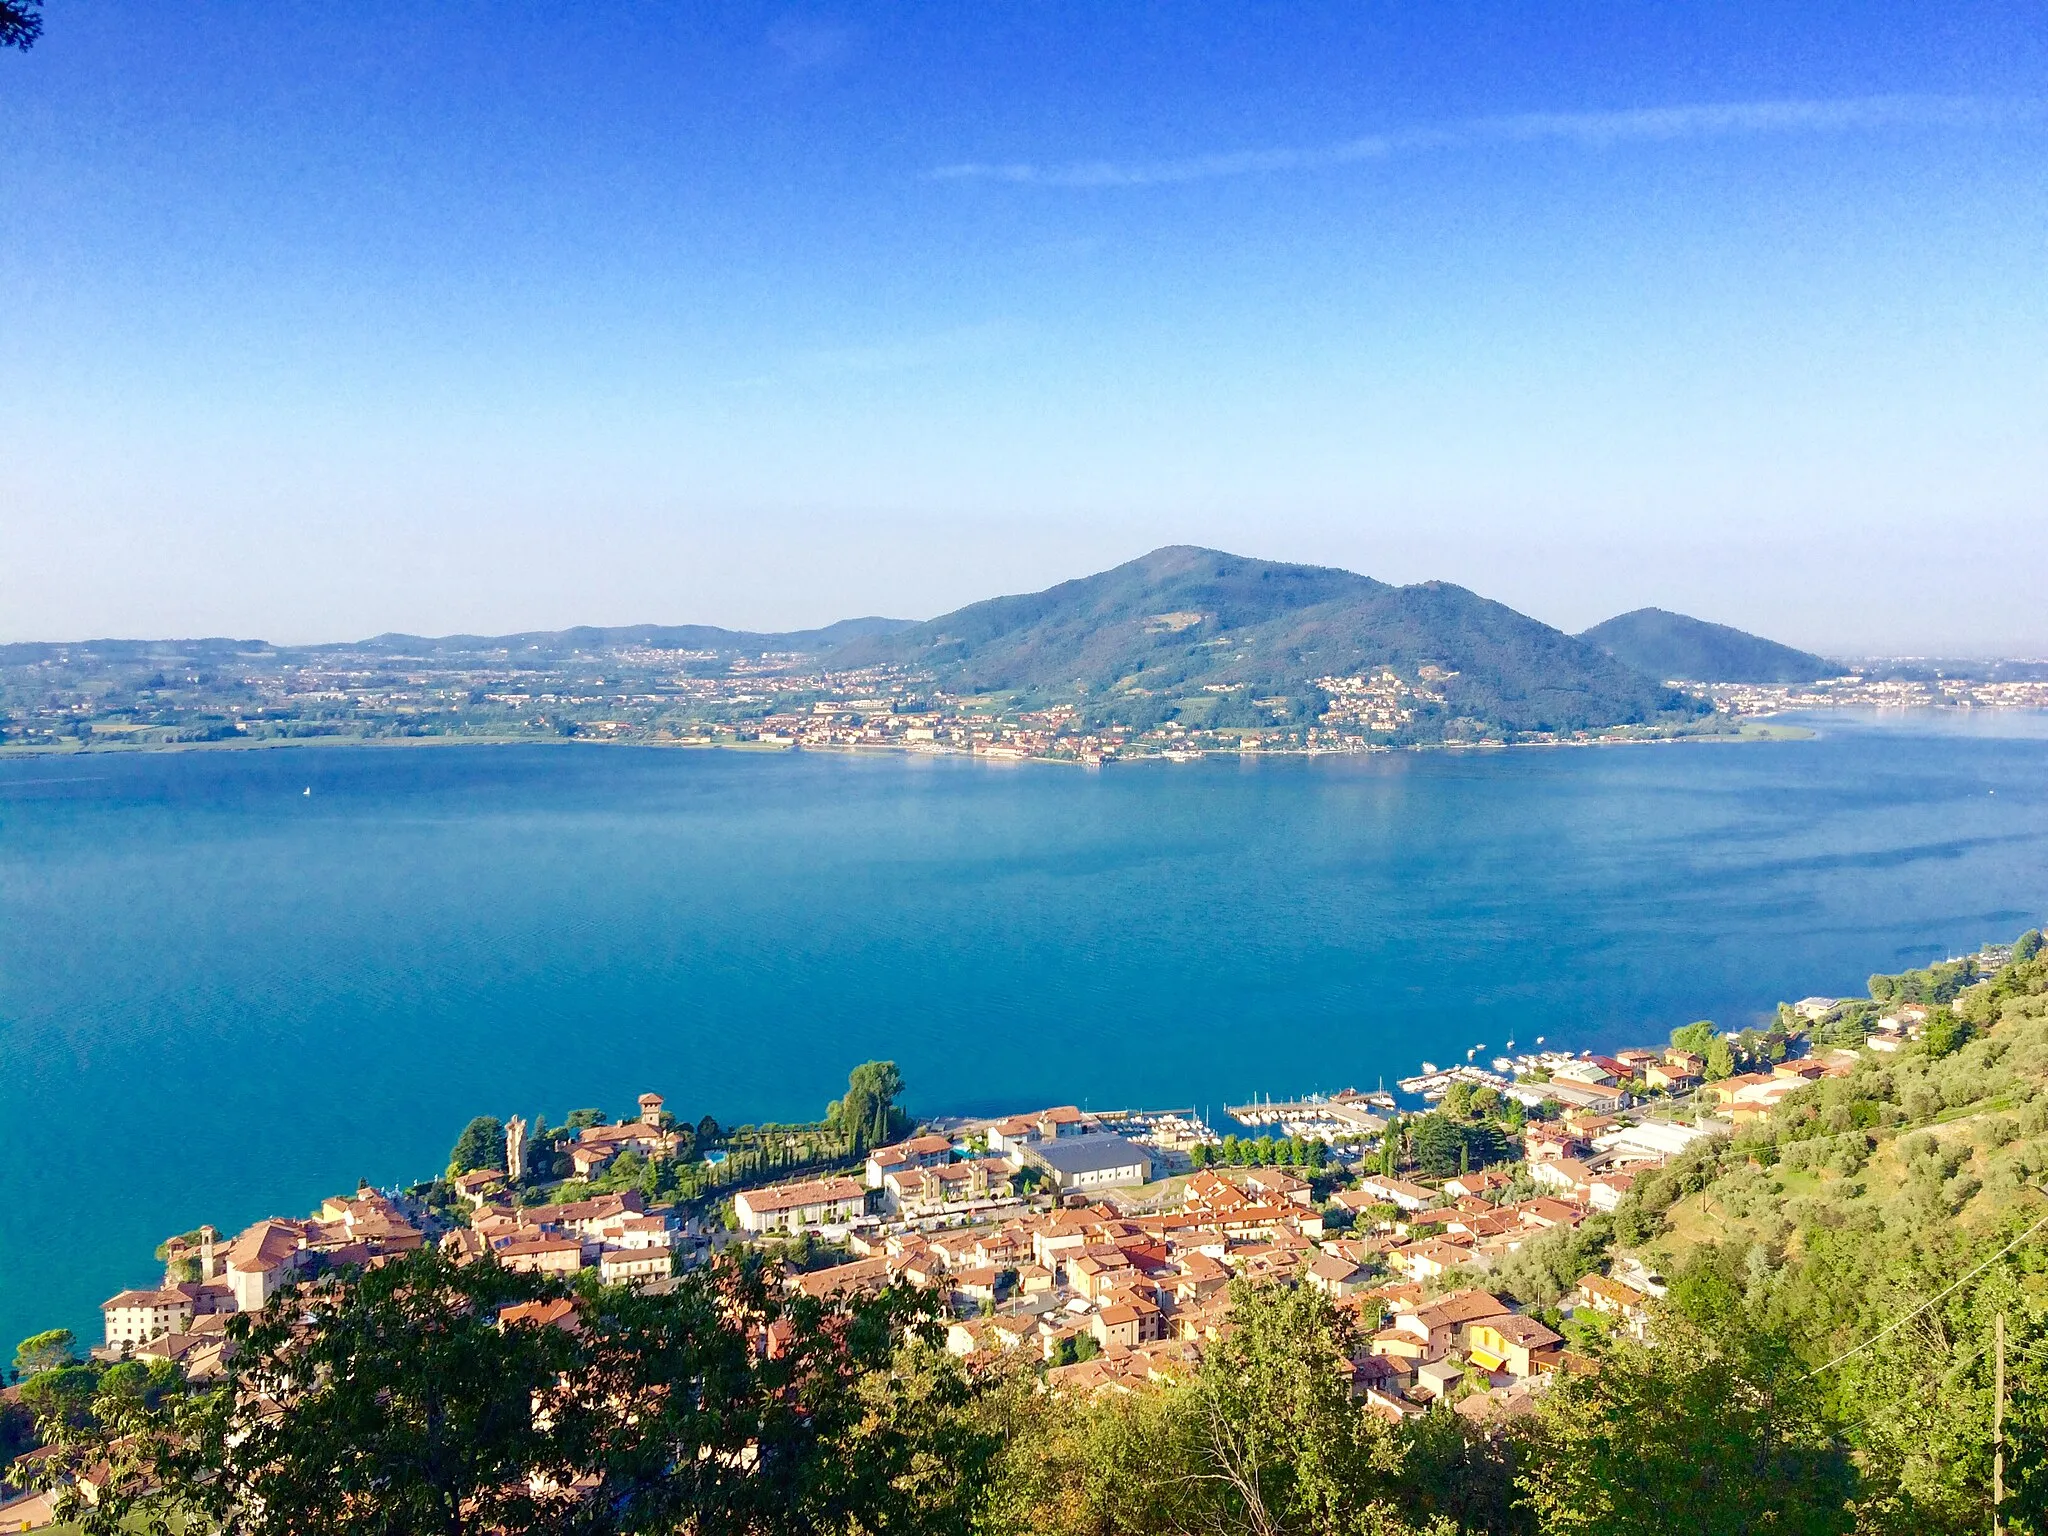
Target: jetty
(1347, 1113)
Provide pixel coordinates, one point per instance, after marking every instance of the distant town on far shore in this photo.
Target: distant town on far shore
(1180, 653)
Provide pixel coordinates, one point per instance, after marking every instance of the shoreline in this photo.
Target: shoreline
(1750, 732)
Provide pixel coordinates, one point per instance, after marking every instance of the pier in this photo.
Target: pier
(1347, 1113)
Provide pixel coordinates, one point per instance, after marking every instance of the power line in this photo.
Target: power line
(1901, 1322)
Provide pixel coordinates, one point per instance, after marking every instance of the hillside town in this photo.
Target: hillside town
(1101, 1253)
(138, 694)
(73, 698)
(1891, 688)
(1102, 1246)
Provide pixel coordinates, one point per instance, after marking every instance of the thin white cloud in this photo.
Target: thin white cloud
(1711, 120)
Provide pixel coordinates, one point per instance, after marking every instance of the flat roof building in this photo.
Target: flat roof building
(1101, 1161)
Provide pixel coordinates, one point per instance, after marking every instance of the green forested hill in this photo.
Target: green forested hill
(1184, 622)
(1672, 645)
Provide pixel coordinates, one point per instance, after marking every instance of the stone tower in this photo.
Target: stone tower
(650, 1110)
(515, 1148)
(206, 1237)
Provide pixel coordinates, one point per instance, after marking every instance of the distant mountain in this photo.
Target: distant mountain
(1185, 630)
(213, 650)
(531, 645)
(1670, 645)
(591, 639)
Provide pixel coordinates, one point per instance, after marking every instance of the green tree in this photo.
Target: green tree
(1553, 1261)
(50, 1350)
(868, 1116)
(405, 1407)
(399, 1400)
(61, 1399)
(1439, 1145)
(1716, 1430)
(17, 1430)
(481, 1145)
(136, 1381)
(1720, 1059)
(1452, 1470)
(1944, 1033)
(1273, 1411)
(1694, 1037)
(2027, 946)
(21, 23)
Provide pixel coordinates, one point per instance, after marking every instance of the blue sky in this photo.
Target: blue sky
(320, 321)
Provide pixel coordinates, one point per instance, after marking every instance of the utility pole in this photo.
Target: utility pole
(1997, 1422)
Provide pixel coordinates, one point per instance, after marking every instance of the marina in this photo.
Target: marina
(1347, 1114)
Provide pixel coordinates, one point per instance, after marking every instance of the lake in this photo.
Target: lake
(222, 997)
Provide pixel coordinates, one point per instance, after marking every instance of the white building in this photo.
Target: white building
(263, 1261)
(793, 1207)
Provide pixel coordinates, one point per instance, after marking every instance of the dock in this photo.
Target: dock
(1346, 1113)
(1434, 1085)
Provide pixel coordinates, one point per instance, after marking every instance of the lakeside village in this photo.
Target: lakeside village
(73, 698)
(1101, 1246)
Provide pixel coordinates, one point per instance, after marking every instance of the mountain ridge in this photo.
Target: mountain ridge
(551, 642)
(1179, 639)
(1182, 619)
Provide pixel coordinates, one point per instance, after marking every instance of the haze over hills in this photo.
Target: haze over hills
(585, 639)
(537, 644)
(1181, 624)
(1672, 645)
(1179, 639)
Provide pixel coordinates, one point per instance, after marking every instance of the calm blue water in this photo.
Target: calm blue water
(221, 998)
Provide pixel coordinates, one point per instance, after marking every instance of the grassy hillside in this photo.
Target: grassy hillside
(1875, 1226)
(1671, 645)
(1150, 638)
